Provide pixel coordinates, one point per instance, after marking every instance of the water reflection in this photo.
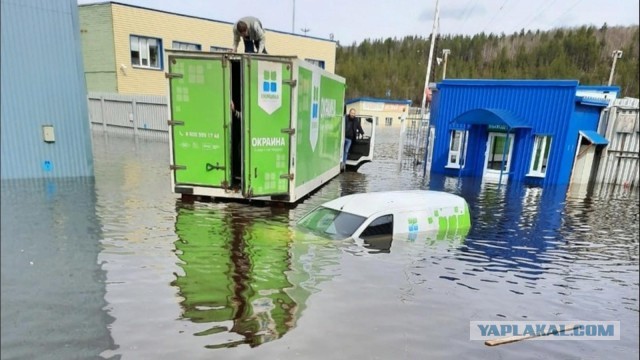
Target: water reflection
(352, 183)
(52, 286)
(524, 235)
(515, 226)
(125, 270)
(385, 244)
(245, 273)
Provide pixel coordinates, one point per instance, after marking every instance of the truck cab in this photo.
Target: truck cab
(361, 151)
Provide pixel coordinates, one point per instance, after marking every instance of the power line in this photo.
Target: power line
(465, 12)
(537, 15)
(494, 16)
(567, 11)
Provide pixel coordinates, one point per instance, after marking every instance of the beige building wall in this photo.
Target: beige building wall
(381, 109)
(171, 27)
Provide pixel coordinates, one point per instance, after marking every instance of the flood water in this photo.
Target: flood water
(119, 268)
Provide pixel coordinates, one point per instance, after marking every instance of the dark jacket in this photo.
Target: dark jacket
(352, 127)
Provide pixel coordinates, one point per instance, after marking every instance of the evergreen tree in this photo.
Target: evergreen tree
(376, 66)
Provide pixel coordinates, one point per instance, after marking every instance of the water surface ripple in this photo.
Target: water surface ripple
(121, 268)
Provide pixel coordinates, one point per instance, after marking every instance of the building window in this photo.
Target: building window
(540, 156)
(178, 45)
(219, 49)
(380, 226)
(388, 121)
(146, 52)
(318, 63)
(456, 156)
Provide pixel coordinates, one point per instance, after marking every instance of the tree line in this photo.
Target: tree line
(396, 68)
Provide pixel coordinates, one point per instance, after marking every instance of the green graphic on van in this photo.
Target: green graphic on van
(413, 224)
(449, 219)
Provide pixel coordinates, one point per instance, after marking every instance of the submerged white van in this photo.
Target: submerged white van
(387, 214)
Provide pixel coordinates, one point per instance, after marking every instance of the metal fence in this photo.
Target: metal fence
(137, 115)
(146, 116)
(414, 140)
(619, 161)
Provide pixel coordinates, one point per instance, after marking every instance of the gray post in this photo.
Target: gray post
(617, 54)
(135, 118)
(102, 117)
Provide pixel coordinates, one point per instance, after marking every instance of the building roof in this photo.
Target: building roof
(592, 101)
(602, 88)
(487, 116)
(509, 82)
(198, 17)
(379, 100)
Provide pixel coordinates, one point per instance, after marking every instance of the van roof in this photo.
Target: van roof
(367, 204)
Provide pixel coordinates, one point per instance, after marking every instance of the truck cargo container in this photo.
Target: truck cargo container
(286, 141)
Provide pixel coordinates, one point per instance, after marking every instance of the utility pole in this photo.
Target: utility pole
(617, 54)
(423, 111)
(445, 53)
(426, 80)
(305, 31)
(293, 21)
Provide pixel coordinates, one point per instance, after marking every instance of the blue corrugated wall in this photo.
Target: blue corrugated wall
(43, 84)
(549, 106)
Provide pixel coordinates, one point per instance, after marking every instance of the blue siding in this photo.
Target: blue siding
(43, 84)
(584, 118)
(549, 107)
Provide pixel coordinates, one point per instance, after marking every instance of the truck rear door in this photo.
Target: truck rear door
(200, 119)
(267, 127)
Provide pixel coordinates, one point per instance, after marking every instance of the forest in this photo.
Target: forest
(396, 68)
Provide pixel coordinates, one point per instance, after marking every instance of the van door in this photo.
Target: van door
(267, 127)
(200, 118)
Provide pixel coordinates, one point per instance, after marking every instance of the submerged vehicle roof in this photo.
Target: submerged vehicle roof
(367, 204)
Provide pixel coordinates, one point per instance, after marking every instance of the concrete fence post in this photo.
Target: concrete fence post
(103, 118)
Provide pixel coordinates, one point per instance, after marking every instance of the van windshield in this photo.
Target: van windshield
(331, 223)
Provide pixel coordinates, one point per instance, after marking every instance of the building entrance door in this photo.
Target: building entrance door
(495, 154)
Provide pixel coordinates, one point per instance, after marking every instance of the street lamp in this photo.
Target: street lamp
(617, 54)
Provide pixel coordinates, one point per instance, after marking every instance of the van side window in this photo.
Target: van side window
(380, 226)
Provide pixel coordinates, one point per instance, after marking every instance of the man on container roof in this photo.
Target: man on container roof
(252, 33)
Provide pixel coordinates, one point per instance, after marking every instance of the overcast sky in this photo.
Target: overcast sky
(355, 20)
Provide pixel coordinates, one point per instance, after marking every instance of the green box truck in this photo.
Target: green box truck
(285, 141)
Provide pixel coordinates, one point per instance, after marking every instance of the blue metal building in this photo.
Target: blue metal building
(45, 127)
(537, 132)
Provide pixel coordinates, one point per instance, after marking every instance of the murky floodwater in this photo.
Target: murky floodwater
(120, 268)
